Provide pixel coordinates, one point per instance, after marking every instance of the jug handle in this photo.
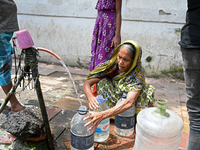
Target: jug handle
(106, 94)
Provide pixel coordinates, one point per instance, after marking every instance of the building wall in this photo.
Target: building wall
(66, 26)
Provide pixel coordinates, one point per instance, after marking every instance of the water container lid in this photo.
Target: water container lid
(100, 97)
(82, 110)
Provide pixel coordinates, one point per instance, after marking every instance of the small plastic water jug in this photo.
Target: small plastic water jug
(80, 137)
(158, 128)
(125, 122)
(102, 131)
(24, 39)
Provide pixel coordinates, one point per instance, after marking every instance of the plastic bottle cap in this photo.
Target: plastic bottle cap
(100, 99)
(82, 110)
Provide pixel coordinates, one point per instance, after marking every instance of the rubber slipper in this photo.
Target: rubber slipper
(10, 113)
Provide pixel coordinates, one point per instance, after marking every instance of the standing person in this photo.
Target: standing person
(190, 48)
(8, 24)
(106, 34)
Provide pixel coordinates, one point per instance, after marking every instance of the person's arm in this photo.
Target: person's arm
(116, 39)
(97, 117)
(93, 104)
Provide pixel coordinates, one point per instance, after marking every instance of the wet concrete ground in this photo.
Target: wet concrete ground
(61, 101)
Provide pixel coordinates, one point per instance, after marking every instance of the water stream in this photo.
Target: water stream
(72, 80)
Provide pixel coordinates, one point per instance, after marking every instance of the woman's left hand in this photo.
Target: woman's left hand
(116, 41)
(96, 118)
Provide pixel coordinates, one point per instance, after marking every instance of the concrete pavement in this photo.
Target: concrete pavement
(59, 94)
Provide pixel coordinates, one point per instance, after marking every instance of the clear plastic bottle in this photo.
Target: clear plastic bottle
(80, 137)
(102, 131)
(158, 128)
(125, 122)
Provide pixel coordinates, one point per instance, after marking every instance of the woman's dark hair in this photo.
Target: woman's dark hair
(130, 48)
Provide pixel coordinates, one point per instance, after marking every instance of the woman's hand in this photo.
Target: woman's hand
(96, 118)
(93, 104)
(116, 41)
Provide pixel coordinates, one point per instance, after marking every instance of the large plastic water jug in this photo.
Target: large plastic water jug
(103, 129)
(125, 122)
(158, 128)
(80, 137)
(24, 39)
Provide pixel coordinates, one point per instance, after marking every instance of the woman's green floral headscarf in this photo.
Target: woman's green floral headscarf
(134, 73)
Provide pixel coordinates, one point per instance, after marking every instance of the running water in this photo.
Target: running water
(72, 80)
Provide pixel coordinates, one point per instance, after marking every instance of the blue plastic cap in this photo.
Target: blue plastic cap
(82, 110)
(100, 99)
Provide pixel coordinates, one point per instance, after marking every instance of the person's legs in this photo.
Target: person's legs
(191, 64)
(15, 105)
(5, 69)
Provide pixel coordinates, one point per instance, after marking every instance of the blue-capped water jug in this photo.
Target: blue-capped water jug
(102, 131)
(81, 139)
(158, 128)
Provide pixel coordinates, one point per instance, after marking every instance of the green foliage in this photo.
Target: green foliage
(174, 72)
(79, 62)
(177, 30)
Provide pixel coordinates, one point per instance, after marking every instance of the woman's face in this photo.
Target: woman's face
(124, 59)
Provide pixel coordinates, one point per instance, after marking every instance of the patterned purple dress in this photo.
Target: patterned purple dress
(104, 32)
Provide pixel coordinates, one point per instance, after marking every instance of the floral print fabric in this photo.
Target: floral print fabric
(103, 33)
(145, 99)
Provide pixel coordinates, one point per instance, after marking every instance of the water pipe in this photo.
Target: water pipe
(49, 51)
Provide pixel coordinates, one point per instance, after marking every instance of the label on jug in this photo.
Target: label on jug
(103, 127)
(124, 122)
(82, 142)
